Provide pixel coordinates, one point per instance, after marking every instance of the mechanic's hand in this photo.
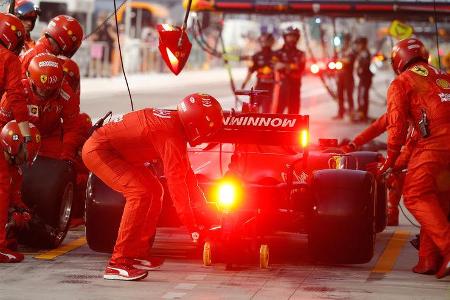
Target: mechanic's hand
(389, 163)
(350, 147)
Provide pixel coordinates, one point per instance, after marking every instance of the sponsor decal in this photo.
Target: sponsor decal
(183, 106)
(53, 79)
(192, 99)
(43, 78)
(47, 63)
(206, 102)
(419, 70)
(15, 137)
(445, 97)
(33, 110)
(443, 83)
(162, 113)
(260, 121)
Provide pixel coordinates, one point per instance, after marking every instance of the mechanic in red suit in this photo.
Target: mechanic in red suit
(421, 95)
(289, 64)
(71, 73)
(396, 178)
(27, 12)
(63, 36)
(117, 152)
(52, 106)
(12, 35)
(16, 151)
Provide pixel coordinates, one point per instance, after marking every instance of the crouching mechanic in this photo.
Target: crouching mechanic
(420, 95)
(394, 179)
(16, 151)
(117, 152)
(53, 107)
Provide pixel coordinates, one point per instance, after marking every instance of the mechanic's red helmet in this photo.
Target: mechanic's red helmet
(27, 10)
(201, 116)
(67, 32)
(406, 52)
(45, 72)
(71, 72)
(13, 140)
(12, 32)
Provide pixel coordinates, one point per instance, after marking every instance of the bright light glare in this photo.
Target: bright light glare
(337, 41)
(304, 138)
(314, 69)
(172, 58)
(331, 65)
(227, 194)
(318, 20)
(339, 65)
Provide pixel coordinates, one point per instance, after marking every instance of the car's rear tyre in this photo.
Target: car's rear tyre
(48, 189)
(104, 208)
(342, 218)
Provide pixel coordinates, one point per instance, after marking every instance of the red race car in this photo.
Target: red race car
(261, 176)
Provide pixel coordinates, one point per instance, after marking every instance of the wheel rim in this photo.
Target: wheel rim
(264, 256)
(207, 254)
(66, 207)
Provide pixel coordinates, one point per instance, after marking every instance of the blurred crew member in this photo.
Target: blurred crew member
(395, 179)
(421, 94)
(27, 12)
(71, 73)
(17, 150)
(289, 67)
(345, 80)
(262, 64)
(12, 34)
(116, 153)
(363, 60)
(52, 106)
(63, 36)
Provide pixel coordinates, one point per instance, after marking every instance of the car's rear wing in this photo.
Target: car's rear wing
(264, 129)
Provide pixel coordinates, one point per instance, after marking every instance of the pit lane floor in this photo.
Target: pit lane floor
(77, 274)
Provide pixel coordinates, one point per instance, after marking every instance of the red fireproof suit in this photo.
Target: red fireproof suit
(10, 195)
(117, 154)
(395, 179)
(12, 91)
(60, 140)
(29, 43)
(417, 91)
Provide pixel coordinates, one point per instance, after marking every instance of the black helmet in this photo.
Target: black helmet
(291, 30)
(27, 9)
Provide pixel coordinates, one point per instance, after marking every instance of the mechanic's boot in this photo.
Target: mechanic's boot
(444, 270)
(120, 271)
(148, 264)
(9, 256)
(426, 265)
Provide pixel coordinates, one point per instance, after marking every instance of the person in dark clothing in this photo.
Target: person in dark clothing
(262, 64)
(363, 60)
(345, 80)
(289, 67)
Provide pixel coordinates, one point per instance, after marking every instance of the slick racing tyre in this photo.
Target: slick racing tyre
(342, 228)
(48, 189)
(104, 208)
(368, 157)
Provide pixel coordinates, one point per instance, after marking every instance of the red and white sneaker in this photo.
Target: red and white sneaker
(123, 272)
(149, 264)
(9, 256)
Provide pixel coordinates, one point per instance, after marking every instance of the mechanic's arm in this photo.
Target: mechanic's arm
(397, 115)
(371, 132)
(72, 133)
(176, 170)
(250, 71)
(15, 95)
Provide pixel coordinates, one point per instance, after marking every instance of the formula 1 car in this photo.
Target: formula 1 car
(261, 176)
